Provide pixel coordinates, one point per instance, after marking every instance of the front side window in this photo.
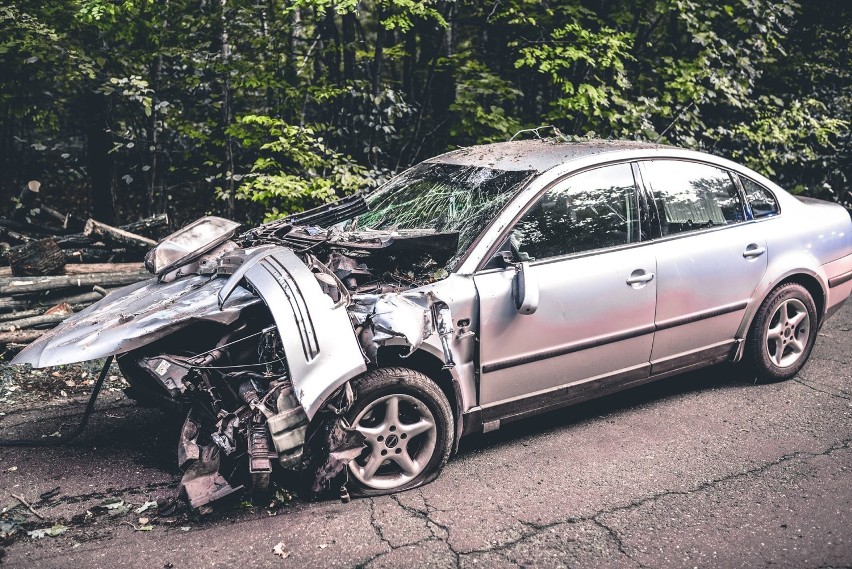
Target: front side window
(591, 210)
(761, 200)
(692, 196)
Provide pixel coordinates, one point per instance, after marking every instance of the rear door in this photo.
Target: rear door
(710, 259)
(597, 287)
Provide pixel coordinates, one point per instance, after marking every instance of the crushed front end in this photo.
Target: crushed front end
(254, 338)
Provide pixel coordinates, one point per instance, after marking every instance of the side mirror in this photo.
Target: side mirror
(525, 289)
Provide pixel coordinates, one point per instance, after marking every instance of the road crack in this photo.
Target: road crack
(537, 529)
(845, 395)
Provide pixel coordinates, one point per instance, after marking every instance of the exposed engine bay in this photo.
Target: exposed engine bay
(268, 391)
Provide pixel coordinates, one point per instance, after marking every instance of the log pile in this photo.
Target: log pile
(54, 264)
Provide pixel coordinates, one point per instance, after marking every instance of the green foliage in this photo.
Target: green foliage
(294, 169)
(279, 105)
(481, 100)
(786, 136)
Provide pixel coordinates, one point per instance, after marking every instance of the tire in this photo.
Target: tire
(408, 424)
(782, 334)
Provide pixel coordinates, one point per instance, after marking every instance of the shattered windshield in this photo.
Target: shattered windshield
(443, 197)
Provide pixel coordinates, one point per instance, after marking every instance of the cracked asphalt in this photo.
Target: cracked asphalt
(699, 470)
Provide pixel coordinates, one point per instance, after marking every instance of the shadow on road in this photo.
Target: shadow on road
(724, 376)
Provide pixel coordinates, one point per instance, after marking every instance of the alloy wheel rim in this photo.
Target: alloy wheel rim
(787, 333)
(401, 435)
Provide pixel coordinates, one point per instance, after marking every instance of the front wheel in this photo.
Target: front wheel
(783, 333)
(408, 426)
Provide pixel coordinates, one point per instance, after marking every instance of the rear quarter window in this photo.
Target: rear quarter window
(761, 201)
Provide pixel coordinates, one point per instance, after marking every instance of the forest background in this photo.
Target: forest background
(253, 109)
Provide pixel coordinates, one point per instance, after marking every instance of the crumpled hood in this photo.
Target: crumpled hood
(134, 316)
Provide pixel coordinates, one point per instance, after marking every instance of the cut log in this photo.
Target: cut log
(75, 240)
(92, 255)
(88, 268)
(116, 235)
(77, 301)
(45, 320)
(26, 200)
(38, 258)
(20, 336)
(147, 226)
(29, 285)
(18, 314)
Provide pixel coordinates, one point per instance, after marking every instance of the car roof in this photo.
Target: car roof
(537, 155)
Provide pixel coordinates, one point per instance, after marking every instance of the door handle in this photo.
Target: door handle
(639, 277)
(753, 251)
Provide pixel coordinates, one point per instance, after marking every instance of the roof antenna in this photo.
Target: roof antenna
(671, 124)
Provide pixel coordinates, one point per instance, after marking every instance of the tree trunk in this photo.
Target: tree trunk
(378, 53)
(348, 25)
(99, 161)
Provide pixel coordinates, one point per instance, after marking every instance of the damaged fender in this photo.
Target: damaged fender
(319, 342)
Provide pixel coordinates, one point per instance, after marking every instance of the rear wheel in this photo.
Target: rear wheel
(407, 423)
(783, 333)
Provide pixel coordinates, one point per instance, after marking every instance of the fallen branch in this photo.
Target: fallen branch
(5, 232)
(90, 268)
(27, 504)
(69, 222)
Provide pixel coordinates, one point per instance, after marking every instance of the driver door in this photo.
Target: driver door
(594, 326)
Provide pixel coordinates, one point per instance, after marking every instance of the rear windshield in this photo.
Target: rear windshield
(443, 197)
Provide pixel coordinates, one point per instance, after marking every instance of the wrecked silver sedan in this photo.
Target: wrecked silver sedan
(353, 345)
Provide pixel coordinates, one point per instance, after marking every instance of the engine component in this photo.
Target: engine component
(260, 465)
(169, 372)
(288, 428)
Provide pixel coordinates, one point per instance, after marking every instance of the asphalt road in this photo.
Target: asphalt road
(700, 470)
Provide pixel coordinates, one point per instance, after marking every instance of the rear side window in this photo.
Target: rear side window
(592, 210)
(692, 196)
(761, 200)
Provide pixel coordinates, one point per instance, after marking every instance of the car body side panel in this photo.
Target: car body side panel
(590, 323)
(706, 283)
(808, 239)
(319, 342)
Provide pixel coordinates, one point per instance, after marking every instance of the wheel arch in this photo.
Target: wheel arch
(432, 367)
(810, 281)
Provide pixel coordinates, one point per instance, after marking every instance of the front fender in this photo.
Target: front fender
(319, 342)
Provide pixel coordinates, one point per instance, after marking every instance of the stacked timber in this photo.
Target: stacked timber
(54, 264)
(33, 304)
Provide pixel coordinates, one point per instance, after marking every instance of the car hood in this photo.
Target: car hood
(132, 317)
